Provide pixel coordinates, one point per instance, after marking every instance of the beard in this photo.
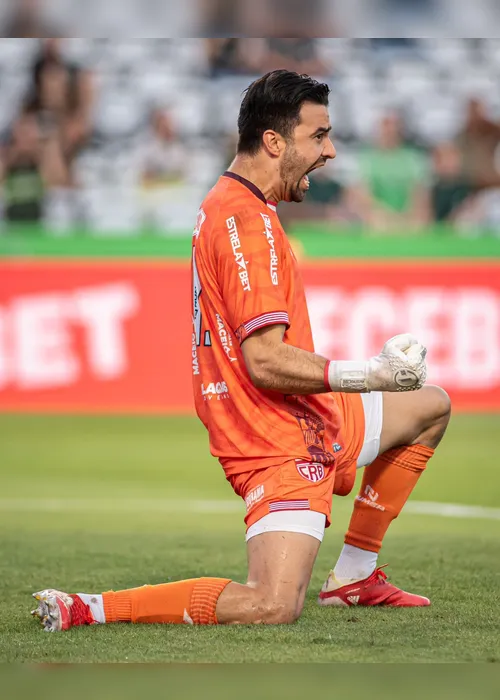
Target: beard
(293, 169)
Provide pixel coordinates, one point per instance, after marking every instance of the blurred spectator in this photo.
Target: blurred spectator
(163, 158)
(290, 18)
(299, 55)
(219, 18)
(451, 192)
(271, 18)
(482, 214)
(233, 56)
(478, 143)
(393, 45)
(62, 96)
(394, 177)
(30, 165)
(255, 56)
(26, 21)
(163, 167)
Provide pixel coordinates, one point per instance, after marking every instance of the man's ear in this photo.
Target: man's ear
(273, 143)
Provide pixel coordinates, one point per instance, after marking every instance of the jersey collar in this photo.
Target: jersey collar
(253, 188)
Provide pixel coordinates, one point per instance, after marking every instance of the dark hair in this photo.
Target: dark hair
(274, 102)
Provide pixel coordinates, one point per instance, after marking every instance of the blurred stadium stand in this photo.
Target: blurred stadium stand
(120, 171)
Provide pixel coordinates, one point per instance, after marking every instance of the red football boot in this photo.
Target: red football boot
(374, 590)
(59, 611)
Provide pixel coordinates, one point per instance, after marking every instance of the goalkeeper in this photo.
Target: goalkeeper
(288, 426)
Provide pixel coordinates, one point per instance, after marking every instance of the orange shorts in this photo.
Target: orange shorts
(298, 484)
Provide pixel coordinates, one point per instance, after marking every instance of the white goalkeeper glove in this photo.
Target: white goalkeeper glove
(399, 367)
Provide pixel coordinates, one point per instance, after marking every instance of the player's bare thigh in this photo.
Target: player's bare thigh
(414, 417)
(279, 570)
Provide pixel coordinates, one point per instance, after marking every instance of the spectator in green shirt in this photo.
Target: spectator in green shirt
(394, 177)
(31, 164)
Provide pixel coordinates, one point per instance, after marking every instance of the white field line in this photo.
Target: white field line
(167, 506)
(452, 510)
(125, 505)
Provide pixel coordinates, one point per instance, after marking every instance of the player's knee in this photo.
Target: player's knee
(436, 415)
(440, 405)
(280, 612)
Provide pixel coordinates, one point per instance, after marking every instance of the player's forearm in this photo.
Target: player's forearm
(290, 370)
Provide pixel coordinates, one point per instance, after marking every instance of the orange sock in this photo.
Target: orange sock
(387, 483)
(193, 601)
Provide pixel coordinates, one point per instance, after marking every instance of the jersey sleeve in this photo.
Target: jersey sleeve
(250, 274)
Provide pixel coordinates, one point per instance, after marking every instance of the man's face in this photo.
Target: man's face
(54, 87)
(26, 134)
(309, 148)
(390, 131)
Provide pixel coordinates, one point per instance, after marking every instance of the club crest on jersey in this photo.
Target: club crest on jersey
(311, 471)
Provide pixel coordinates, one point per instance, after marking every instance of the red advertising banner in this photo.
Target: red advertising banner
(452, 308)
(97, 337)
(116, 336)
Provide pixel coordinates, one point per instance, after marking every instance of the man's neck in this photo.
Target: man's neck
(259, 173)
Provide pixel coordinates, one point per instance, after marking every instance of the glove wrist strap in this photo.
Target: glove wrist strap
(346, 375)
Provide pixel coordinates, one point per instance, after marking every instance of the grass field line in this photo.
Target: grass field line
(157, 505)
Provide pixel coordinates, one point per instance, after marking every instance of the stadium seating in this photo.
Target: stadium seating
(429, 81)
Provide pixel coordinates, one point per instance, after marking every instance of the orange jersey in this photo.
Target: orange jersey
(245, 277)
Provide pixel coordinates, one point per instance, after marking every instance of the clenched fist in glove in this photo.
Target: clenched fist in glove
(399, 367)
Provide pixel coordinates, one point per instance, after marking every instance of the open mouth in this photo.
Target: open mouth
(304, 181)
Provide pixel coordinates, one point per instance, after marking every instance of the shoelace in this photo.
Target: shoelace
(80, 613)
(378, 576)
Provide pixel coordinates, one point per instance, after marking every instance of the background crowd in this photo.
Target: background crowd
(127, 135)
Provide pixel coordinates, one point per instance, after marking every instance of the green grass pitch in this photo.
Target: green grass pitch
(93, 503)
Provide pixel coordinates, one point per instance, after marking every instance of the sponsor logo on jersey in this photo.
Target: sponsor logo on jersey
(194, 353)
(238, 255)
(199, 223)
(254, 497)
(216, 390)
(312, 471)
(273, 266)
(225, 339)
